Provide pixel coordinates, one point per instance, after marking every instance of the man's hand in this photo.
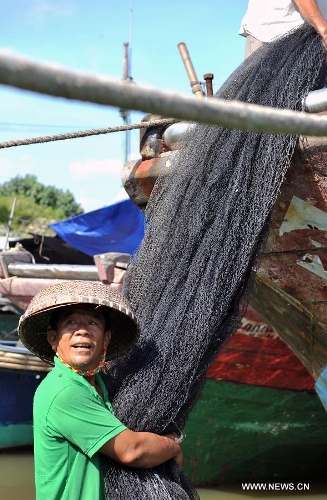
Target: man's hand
(143, 449)
(179, 458)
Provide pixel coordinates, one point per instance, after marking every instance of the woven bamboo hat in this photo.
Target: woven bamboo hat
(35, 322)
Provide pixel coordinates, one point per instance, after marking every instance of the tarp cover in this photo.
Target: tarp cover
(114, 228)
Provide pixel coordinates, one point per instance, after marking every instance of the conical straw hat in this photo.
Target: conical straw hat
(35, 322)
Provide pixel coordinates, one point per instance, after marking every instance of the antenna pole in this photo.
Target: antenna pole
(127, 61)
(130, 39)
(9, 226)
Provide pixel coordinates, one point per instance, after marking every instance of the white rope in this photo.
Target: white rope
(85, 133)
(50, 79)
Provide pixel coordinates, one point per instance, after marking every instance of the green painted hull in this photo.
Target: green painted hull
(240, 432)
(16, 435)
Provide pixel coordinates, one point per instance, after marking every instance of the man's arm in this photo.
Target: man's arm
(310, 11)
(143, 449)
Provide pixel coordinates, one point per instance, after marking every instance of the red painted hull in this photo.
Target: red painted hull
(264, 361)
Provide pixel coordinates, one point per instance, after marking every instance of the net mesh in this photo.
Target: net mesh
(189, 282)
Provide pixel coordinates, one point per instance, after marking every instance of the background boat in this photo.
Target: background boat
(260, 376)
(290, 286)
(20, 374)
(258, 416)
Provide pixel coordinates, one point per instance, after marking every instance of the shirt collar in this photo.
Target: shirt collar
(70, 374)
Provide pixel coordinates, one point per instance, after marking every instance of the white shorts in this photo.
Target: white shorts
(251, 45)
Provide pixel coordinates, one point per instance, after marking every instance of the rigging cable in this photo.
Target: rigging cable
(86, 133)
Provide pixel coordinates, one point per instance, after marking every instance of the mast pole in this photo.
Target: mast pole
(9, 226)
(127, 59)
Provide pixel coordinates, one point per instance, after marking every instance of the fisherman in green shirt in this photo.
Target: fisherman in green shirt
(77, 326)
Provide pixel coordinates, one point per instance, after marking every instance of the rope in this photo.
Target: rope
(86, 133)
(51, 80)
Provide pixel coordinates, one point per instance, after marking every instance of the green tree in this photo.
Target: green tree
(45, 196)
(29, 218)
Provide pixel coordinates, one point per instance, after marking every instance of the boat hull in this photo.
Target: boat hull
(258, 417)
(16, 415)
(290, 286)
(241, 432)
(20, 375)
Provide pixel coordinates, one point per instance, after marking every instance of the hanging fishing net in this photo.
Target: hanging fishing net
(190, 281)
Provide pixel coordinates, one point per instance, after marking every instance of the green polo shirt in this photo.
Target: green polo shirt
(71, 423)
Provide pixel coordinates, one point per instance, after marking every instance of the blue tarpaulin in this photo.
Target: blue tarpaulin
(113, 228)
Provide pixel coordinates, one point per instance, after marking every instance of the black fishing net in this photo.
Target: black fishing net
(189, 282)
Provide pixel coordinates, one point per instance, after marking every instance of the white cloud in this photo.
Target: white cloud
(10, 168)
(120, 196)
(7, 51)
(39, 10)
(89, 203)
(90, 168)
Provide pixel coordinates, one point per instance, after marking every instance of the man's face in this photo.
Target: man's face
(80, 336)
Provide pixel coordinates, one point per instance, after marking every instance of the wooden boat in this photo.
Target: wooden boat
(20, 371)
(258, 398)
(20, 374)
(290, 287)
(258, 417)
(258, 376)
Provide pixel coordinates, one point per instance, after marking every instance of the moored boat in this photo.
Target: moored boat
(245, 431)
(290, 296)
(290, 287)
(20, 374)
(257, 418)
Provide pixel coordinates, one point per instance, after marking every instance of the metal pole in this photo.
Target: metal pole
(123, 112)
(127, 60)
(195, 84)
(48, 79)
(9, 226)
(208, 79)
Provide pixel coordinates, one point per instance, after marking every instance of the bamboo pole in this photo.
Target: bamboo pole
(51, 80)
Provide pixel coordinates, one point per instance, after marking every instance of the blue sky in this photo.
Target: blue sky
(89, 37)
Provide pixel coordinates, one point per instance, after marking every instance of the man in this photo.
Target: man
(77, 325)
(269, 19)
